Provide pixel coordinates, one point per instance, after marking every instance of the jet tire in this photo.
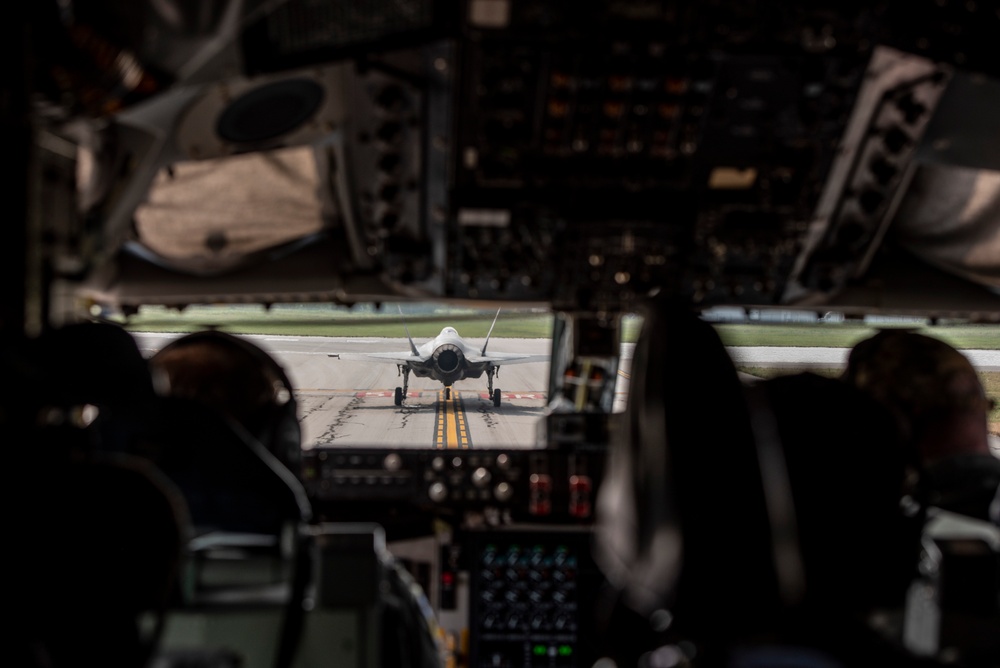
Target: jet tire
(399, 396)
(496, 397)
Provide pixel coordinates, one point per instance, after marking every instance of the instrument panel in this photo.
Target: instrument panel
(544, 486)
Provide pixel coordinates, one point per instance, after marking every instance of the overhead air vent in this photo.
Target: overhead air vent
(246, 115)
(270, 111)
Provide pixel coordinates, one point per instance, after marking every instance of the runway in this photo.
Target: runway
(350, 403)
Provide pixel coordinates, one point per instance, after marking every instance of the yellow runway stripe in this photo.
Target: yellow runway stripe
(451, 430)
(463, 428)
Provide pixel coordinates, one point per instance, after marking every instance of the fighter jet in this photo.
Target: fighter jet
(447, 358)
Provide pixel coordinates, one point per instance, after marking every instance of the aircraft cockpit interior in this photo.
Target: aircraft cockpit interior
(405, 333)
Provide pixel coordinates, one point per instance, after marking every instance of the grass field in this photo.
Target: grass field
(303, 320)
(985, 337)
(324, 320)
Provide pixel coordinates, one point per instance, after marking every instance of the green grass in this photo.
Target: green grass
(991, 383)
(837, 335)
(314, 320)
(425, 322)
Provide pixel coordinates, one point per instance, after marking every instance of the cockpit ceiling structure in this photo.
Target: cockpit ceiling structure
(501, 152)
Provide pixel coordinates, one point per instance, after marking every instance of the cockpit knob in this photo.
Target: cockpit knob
(392, 462)
(503, 492)
(437, 492)
(481, 477)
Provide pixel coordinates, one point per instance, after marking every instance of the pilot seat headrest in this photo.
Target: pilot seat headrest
(238, 378)
(932, 388)
(681, 524)
(733, 506)
(82, 375)
(846, 465)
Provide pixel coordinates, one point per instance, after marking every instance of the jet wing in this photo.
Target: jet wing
(388, 358)
(507, 358)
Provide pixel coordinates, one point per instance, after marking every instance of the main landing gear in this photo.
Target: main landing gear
(494, 394)
(401, 391)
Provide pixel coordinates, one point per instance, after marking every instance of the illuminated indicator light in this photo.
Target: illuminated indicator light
(675, 86)
(667, 110)
(731, 178)
(579, 495)
(560, 80)
(620, 84)
(539, 650)
(565, 650)
(447, 578)
(558, 109)
(540, 489)
(613, 109)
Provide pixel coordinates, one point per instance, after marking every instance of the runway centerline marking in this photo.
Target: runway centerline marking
(451, 429)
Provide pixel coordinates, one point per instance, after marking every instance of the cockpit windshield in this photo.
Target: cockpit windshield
(347, 368)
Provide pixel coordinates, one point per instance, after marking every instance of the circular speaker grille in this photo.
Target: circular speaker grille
(270, 111)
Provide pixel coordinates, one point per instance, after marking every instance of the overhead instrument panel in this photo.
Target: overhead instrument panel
(680, 146)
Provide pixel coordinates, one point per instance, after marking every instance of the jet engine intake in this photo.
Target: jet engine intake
(448, 358)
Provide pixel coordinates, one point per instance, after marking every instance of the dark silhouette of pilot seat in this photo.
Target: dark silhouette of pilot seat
(962, 493)
(942, 407)
(229, 436)
(100, 559)
(163, 533)
(98, 536)
(681, 528)
(749, 526)
(248, 562)
(858, 543)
